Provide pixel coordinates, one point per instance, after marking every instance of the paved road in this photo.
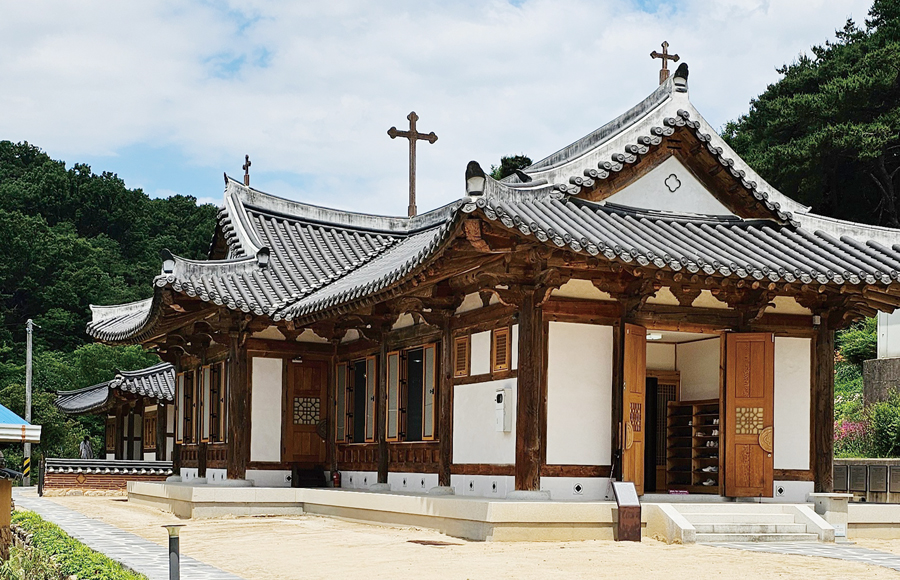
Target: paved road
(847, 552)
(129, 549)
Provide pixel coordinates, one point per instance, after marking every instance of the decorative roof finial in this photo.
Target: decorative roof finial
(665, 56)
(246, 169)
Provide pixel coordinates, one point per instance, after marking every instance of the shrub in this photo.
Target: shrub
(884, 422)
(25, 564)
(852, 439)
(71, 556)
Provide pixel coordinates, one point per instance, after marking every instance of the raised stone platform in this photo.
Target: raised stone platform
(471, 518)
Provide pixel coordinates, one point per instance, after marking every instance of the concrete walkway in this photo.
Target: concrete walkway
(846, 552)
(130, 550)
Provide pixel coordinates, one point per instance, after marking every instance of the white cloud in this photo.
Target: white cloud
(311, 88)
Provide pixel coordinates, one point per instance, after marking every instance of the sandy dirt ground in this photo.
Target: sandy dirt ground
(321, 547)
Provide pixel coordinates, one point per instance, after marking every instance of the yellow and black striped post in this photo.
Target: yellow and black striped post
(26, 467)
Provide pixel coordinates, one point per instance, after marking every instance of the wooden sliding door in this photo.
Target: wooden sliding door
(633, 407)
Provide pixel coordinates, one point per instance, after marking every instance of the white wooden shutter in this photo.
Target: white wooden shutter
(340, 396)
(393, 396)
(430, 387)
(370, 398)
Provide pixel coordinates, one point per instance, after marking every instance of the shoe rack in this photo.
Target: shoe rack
(693, 452)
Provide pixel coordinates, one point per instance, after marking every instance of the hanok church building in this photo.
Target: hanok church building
(640, 305)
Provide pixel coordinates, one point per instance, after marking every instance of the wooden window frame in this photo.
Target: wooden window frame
(150, 421)
(462, 345)
(498, 365)
(371, 386)
(341, 376)
(394, 390)
(435, 389)
(110, 443)
(204, 424)
(189, 401)
(179, 408)
(216, 407)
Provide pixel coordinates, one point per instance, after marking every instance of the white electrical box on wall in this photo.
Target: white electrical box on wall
(503, 410)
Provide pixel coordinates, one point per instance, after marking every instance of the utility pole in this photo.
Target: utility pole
(29, 330)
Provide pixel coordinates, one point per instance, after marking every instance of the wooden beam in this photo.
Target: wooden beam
(482, 469)
(238, 455)
(529, 405)
(824, 405)
(445, 406)
(120, 431)
(618, 377)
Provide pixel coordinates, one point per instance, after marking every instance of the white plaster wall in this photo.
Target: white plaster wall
(170, 427)
(268, 477)
(660, 357)
(888, 334)
(579, 394)
(412, 482)
(470, 302)
(308, 335)
(790, 492)
(150, 456)
(663, 296)
(265, 409)
(491, 486)
(514, 340)
(270, 333)
(403, 321)
(698, 363)
(188, 473)
(475, 439)
(583, 289)
(577, 488)
(787, 305)
(110, 455)
(651, 192)
(793, 359)
(480, 361)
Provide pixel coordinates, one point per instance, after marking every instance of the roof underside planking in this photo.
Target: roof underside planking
(293, 261)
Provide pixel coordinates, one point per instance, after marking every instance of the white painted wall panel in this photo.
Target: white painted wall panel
(654, 191)
(515, 346)
(793, 359)
(579, 394)
(699, 366)
(889, 334)
(475, 440)
(481, 353)
(660, 357)
(265, 409)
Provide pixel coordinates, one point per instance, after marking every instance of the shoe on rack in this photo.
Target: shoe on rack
(715, 433)
(701, 434)
(708, 482)
(715, 421)
(711, 469)
(690, 423)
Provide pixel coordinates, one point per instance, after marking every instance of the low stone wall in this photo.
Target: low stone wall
(870, 480)
(99, 476)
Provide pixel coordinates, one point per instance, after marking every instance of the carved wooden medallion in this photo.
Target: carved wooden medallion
(767, 439)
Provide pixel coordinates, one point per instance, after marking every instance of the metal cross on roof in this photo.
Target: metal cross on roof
(413, 136)
(665, 56)
(246, 168)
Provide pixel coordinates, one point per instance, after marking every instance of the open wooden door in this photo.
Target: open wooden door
(633, 407)
(749, 414)
(304, 410)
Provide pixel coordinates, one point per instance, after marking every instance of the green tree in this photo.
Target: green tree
(508, 165)
(828, 132)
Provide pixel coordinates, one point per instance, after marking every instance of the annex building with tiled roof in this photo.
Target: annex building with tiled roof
(639, 305)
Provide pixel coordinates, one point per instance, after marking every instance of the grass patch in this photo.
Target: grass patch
(71, 556)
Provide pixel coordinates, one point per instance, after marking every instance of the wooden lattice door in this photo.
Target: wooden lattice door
(633, 405)
(304, 412)
(749, 414)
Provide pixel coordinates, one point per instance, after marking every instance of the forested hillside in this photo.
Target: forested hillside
(69, 238)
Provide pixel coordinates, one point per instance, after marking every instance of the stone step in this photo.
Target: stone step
(701, 538)
(756, 528)
(731, 508)
(738, 518)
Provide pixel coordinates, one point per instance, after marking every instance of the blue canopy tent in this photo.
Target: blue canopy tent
(13, 429)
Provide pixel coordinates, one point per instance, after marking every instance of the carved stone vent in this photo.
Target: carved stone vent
(635, 417)
(306, 410)
(748, 420)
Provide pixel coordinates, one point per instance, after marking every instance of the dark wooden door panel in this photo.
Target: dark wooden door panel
(304, 408)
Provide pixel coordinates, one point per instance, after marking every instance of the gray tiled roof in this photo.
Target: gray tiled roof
(156, 382)
(322, 260)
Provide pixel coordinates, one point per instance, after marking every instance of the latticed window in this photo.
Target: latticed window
(461, 356)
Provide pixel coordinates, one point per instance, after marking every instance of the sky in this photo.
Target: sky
(169, 94)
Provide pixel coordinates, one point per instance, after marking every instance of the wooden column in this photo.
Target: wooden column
(129, 443)
(120, 431)
(238, 450)
(331, 419)
(445, 407)
(161, 428)
(824, 410)
(5, 517)
(530, 402)
(139, 411)
(381, 414)
(618, 382)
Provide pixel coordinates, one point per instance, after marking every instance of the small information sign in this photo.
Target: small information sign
(858, 478)
(878, 478)
(840, 478)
